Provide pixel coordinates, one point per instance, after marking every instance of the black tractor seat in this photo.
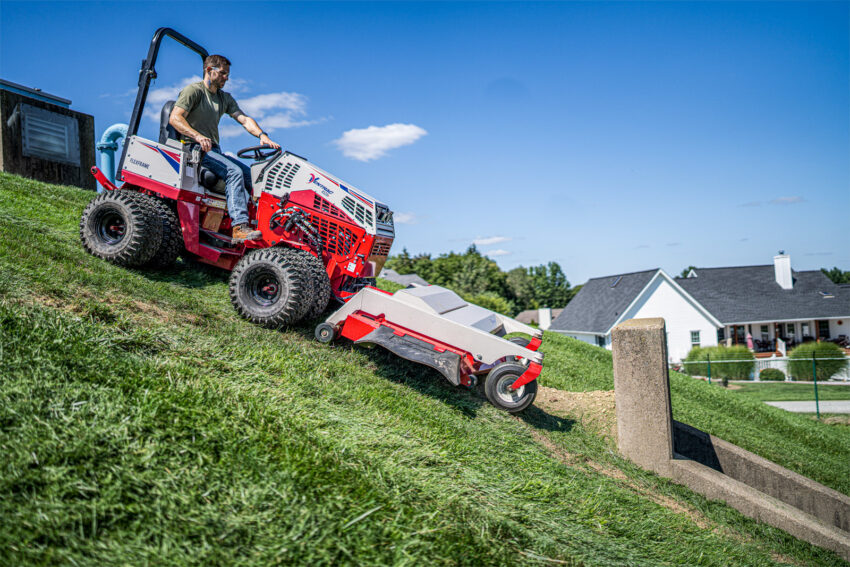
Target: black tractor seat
(209, 180)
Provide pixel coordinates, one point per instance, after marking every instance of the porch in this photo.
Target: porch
(769, 337)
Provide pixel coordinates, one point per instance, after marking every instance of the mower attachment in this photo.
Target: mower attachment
(434, 326)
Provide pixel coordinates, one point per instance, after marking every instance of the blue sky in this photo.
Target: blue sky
(609, 137)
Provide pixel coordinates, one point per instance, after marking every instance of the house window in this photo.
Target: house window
(789, 329)
(694, 338)
(764, 329)
(823, 329)
(49, 135)
(600, 340)
(804, 329)
(721, 335)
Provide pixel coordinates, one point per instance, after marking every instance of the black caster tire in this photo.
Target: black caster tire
(325, 333)
(498, 392)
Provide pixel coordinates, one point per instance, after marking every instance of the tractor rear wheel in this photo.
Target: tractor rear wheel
(271, 287)
(321, 286)
(498, 392)
(172, 235)
(171, 244)
(118, 228)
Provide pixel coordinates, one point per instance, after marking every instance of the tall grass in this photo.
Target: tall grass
(142, 422)
(828, 358)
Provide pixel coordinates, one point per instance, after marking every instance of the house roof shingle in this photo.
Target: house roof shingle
(750, 293)
(601, 301)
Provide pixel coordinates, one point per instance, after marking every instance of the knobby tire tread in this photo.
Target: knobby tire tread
(143, 234)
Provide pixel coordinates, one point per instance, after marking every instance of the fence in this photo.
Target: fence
(773, 369)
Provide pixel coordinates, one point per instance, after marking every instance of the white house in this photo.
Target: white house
(713, 305)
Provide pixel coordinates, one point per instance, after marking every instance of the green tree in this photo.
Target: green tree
(836, 275)
(551, 287)
(686, 271)
(521, 288)
(401, 263)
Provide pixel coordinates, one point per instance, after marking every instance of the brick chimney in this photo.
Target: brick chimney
(782, 270)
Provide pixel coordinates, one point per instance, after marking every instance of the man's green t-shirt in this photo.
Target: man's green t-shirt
(205, 108)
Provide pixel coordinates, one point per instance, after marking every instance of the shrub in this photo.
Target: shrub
(732, 370)
(800, 365)
(772, 374)
(721, 365)
(689, 366)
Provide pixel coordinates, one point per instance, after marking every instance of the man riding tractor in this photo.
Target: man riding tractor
(195, 116)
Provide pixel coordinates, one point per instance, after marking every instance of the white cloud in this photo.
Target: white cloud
(261, 104)
(498, 252)
(404, 218)
(158, 97)
(488, 240)
(787, 200)
(374, 142)
(274, 111)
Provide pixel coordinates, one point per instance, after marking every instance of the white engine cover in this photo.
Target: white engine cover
(294, 173)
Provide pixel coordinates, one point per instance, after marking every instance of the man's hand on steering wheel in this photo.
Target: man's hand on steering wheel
(266, 141)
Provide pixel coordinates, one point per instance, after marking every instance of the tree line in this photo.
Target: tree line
(836, 275)
(479, 280)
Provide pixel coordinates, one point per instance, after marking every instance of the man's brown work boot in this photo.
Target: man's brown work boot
(241, 233)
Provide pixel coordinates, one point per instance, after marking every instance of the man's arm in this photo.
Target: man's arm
(178, 120)
(253, 128)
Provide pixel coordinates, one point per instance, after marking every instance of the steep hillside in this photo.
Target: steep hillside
(141, 421)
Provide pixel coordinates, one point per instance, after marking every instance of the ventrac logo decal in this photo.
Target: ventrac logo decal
(314, 179)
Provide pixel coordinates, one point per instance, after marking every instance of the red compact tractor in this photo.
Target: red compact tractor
(321, 238)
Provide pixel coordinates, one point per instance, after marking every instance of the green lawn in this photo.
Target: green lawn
(789, 391)
(143, 422)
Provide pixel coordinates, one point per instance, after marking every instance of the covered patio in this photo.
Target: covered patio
(782, 336)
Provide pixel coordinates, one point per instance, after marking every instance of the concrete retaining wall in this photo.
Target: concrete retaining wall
(647, 434)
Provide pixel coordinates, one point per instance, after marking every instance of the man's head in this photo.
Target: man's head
(216, 70)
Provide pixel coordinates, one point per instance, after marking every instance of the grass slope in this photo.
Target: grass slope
(141, 421)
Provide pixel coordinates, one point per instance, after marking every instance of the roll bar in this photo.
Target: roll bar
(147, 73)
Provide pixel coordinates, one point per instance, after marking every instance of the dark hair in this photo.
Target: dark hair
(215, 61)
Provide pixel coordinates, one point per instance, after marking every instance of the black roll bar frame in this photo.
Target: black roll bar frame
(146, 74)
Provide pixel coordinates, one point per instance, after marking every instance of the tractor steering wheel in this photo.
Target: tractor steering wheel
(258, 153)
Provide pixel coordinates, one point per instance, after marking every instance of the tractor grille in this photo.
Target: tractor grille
(381, 248)
(385, 216)
(325, 206)
(357, 211)
(280, 176)
(338, 239)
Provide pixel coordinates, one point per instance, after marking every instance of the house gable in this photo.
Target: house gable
(600, 302)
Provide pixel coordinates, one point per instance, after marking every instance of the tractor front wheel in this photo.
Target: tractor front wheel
(321, 286)
(497, 388)
(118, 228)
(271, 287)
